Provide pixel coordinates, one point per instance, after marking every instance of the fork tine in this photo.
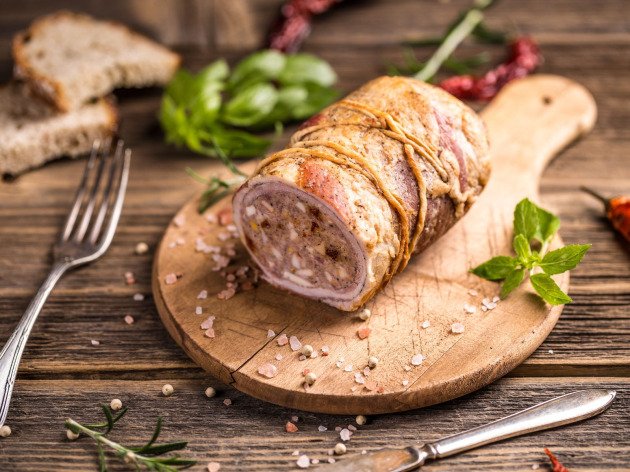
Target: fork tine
(91, 202)
(105, 200)
(114, 215)
(78, 197)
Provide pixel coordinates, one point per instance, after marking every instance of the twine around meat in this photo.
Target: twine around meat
(346, 157)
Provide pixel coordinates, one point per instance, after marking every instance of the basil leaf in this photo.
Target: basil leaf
(181, 87)
(526, 219)
(497, 268)
(237, 143)
(218, 71)
(304, 68)
(173, 121)
(290, 98)
(549, 290)
(548, 225)
(251, 105)
(563, 259)
(522, 248)
(205, 109)
(318, 98)
(258, 67)
(512, 281)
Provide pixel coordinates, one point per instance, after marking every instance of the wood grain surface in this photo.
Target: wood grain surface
(552, 112)
(62, 374)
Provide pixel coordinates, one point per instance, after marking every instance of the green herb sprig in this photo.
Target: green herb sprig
(214, 111)
(534, 229)
(146, 455)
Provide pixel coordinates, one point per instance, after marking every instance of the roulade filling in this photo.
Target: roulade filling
(299, 242)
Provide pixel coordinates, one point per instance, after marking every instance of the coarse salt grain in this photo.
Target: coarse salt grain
(303, 462)
(268, 370)
(290, 427)
(348, 368)
(550, 351)
(314, 461)
(94, 342)
(344, 434)
(331, 460)
(407, 368)
(282, 340)
(405, 382)
(363, 332)
(170, 279)
(417, 359)
(426, 324)
(208, 322)
(179, 220)
(227, 402)
(295, 343)
(358, 378)
(202, 295)
(496, 299)
(129, 319)
(278, 357)
(209, 333)
(295, 453)
(325, 350)
(457, 328)
(322, 428)
(535, 466)
(271, 333)
(198, 310)
(295, 419)
(213, 467)
(470, 309)
(138, 297)
(473, 292)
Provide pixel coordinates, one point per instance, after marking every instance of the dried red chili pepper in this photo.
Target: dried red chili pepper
(555, 463)
(524, 57)
(294, 23)
(617, 211)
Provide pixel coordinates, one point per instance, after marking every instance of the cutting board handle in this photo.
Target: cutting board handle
(546, 113)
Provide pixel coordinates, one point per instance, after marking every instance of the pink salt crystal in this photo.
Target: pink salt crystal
(367, 371)
(213, 466)
(331, 460)
(278, 357)
(457, 328)
(470, 309)
(180, 241)
(348, 368)
(268, 370)
(208, 322)
(209, 333)
(282, 340)
(227, 402)
(138, 297)
(226, 294)
(322, 428)
(170, 279)
(198, 310)
(352, 427)
(358, 378)
(303, 462)
(314, 461)
(202, 295)
(370, 385)
(223, 236)
(94, 342)
(302, 357)
(344, 434)
(225, 216)
(129, 278)
(295, 343)
(271, 333)
(290, 427)
(337, 428)
(417, 359)
(129, 319)
(295, 453)
(325, 350)
(179, 220)
(211, 218)
(363, 332)
(473, 292)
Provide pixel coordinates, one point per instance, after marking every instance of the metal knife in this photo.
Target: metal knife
(559, 411)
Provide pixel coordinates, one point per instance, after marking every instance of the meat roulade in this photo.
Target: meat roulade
(364, 184)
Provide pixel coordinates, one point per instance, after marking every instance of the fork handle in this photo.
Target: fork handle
(12, 350)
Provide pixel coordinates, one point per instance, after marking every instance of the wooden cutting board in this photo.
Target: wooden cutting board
(528, 123)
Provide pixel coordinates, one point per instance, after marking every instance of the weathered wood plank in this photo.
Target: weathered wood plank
(249, 434)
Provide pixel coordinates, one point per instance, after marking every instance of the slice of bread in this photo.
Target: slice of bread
(71, 58)
(32, 133)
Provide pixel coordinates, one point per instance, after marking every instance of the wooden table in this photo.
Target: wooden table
(63, 375)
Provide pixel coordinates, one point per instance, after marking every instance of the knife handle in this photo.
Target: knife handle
(559, 411)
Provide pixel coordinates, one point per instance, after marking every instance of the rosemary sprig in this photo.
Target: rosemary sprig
(216, 188)
(143, 456)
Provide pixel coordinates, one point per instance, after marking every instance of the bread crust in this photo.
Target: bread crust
(47, 87)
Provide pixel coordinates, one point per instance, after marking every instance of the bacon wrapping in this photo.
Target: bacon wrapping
(363, 185)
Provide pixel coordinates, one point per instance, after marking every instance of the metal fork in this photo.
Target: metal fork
(81, 241)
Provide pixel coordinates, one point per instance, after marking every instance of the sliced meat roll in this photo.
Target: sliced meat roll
(363, 185)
